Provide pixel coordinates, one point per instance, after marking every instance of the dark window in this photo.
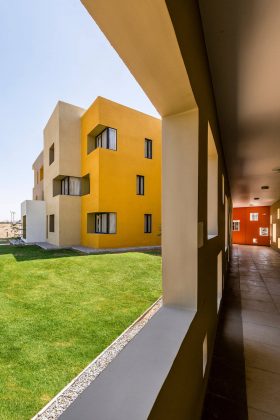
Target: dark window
(71, 185)
(24, 227)
(147, 223)
(148, 149)
(51, 154)
(105, 222)
(139, 185)
(51, 220)
(107, 139)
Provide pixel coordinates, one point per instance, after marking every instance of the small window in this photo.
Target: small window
(148, 149)
(105, 223)
(51, 154)
(236, 225)
(147, 223)
(51, 220)
(139, 185)
(41, 173)
(263, 231)
(107, 139)
(254, 217)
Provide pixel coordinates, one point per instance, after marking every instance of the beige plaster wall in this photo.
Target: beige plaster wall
(275, 220)
(63, 130)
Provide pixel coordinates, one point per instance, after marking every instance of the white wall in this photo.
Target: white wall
(35, 212)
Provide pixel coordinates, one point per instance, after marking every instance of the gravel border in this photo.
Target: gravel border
(64, 398)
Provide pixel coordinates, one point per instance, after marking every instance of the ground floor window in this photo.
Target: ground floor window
(105, 222)
(236, 225)
(147, 223)
(51, 223)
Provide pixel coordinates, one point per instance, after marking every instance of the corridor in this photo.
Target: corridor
(246, 364)
(259, 271)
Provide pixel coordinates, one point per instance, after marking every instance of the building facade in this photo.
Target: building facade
(100, 177)
(251, 225)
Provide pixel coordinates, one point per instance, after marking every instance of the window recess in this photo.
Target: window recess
(147, 223)
(148, 149)
(139, 184)
(105, 223)
(236, 225)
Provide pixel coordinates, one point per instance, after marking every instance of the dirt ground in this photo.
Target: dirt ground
(6, 230)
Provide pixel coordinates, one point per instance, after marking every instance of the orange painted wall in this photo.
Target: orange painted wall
(251, 229)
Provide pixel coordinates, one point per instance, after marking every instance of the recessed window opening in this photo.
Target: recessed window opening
(105, 223)
(226, 222)
(236, 225)
(278, 213)
(212, 186)
(148, 149)
(139, 185)
(274, 232)
(223, 189)
(51, 223)
(107, 139)
(147, 223)
(71, 185)
(51, 154)
(204, 355)
(41, 173)
(219, 278)
(24, 227)
(254, 217)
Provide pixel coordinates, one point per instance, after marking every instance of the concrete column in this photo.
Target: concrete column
(179, 208)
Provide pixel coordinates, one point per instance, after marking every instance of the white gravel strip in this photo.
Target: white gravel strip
(62, 400)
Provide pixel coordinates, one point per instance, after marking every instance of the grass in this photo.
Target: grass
(58, 311)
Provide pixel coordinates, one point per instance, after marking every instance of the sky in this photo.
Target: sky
(50, 50)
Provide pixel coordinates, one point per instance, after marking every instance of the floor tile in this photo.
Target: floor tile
(262, 334)
(262, 356)
(261, 318)
(256, 294)
(263, 390)
(254, 414)
(259, 305)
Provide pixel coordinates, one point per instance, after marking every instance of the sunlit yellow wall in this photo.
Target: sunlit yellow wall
(113, 176)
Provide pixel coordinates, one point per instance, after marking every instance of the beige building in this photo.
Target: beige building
(38, 168)
(62, 159)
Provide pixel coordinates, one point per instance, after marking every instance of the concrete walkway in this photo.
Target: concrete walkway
(245, 371)
(87, 250)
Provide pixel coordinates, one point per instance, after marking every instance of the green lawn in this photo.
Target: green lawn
(59, 310)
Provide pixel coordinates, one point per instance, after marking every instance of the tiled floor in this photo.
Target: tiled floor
(259, 269)
(245, 372)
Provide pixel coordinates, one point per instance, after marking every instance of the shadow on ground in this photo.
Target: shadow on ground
(32, 252)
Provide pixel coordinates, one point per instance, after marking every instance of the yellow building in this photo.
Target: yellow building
(98, 178)
(121, 153)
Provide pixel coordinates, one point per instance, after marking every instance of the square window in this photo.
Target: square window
(254, 217)
(107, 139)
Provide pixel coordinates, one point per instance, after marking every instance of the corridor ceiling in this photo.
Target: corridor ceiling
(243, 46)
